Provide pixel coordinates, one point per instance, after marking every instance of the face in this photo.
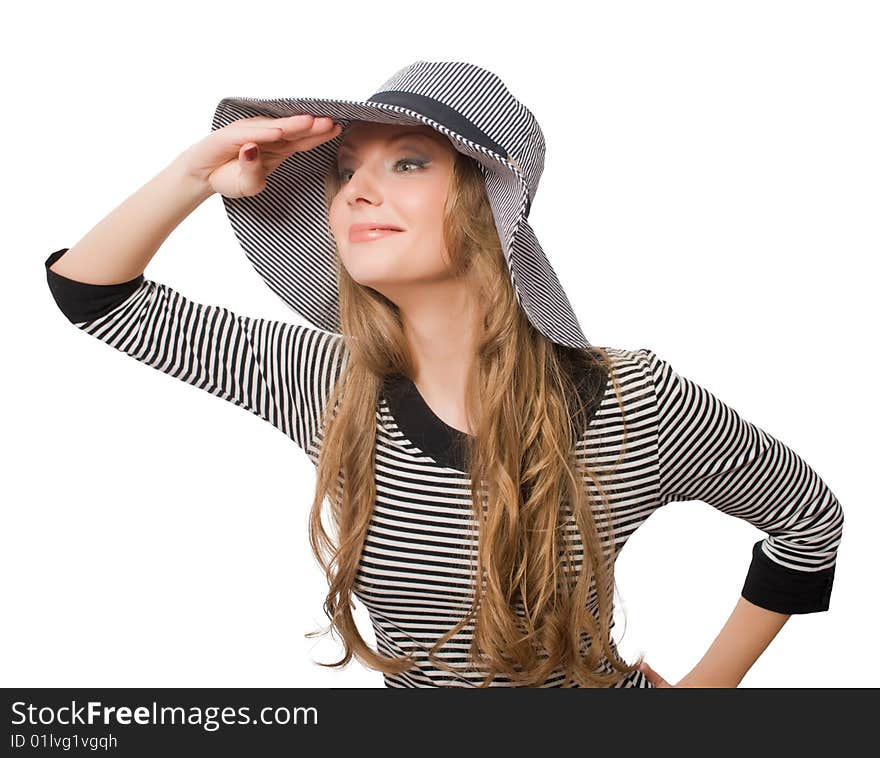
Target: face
(398, 175)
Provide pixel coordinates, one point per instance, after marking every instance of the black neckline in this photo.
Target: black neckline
(444, 443)
(421, 426)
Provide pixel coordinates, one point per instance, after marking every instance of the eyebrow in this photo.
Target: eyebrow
(400, 135)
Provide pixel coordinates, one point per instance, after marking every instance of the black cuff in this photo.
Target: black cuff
(785, 590)
(80, 301)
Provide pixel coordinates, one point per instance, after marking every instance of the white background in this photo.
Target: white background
(710, 192)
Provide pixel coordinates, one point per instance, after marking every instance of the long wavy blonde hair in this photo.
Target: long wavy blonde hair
(533, 613)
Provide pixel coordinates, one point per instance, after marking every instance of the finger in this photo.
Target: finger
(250, 133)
(232, 138)
(252, 179)
(299, 125)
(309, 141)
(223, 144)
(653, 676)
(283, 149)
(294, 130)
(281, 130)
(294, 136)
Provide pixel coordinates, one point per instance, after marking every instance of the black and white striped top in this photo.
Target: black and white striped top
(682, 444)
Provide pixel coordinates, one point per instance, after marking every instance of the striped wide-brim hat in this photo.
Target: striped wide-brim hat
(285, 231)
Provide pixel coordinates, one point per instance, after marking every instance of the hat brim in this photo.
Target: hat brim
(343, 111)
(284, 229)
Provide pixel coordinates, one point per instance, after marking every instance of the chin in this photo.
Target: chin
(375, 276)
(369, 262)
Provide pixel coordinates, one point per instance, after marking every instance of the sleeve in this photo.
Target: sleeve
(707, 451)
(282, 372)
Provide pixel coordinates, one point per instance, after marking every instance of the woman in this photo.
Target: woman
(448, 369)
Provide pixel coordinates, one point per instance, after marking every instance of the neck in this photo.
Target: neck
(441, 333)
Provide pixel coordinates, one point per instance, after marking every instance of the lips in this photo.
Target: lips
(367, 225)
(368, 231)
(370, 234)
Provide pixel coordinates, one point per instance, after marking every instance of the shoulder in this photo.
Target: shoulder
(628, 364)
(610, 380)
(631, 376)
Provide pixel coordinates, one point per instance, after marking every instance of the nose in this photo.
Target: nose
(361, 184)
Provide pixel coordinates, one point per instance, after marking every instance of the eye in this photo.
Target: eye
(405, 161)
(412, 161)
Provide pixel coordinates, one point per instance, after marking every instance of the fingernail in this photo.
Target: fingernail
(250, 153)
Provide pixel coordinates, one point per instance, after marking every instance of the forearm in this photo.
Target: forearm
(746, 635)
(121, 245)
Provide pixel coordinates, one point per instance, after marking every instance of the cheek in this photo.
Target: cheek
(334, 218)
(423, 211)
(423, 214)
